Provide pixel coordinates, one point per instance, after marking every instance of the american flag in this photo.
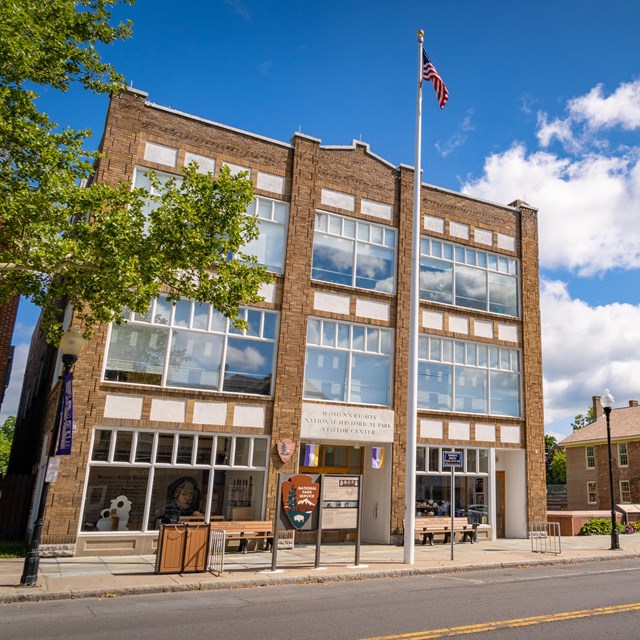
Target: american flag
(429, 73)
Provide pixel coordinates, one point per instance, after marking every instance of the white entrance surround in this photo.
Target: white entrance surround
(513, 463)
(376, 498)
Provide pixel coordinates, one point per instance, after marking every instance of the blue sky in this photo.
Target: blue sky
(544, 105)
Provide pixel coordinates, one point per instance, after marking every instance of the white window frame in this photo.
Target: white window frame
(625, 489)
(270, 221)
(514, 357)
(379, 350)
(212, 466)
(592, 496)
(590, 457)
(323, 224)
(623, 454)
(484, 261)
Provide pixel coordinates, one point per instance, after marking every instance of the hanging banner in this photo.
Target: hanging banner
(66, 416)
(377, 457)
(311, 452)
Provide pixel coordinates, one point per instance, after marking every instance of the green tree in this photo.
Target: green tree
(6, 438)
(94, 246)
(559, 467)
(583, 420)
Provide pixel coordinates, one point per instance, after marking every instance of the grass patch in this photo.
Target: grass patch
(12, 549)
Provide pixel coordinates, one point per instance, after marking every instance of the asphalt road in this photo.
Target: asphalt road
(578, 601)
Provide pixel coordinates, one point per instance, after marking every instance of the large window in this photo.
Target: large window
(269, 247)
(466, 277)
(623, 454)
(354, 253)
(348, 363)
(591, 457)
(471, 484)
(190, 345)
(454, 375)
(591, 492)
(625, 491)
(141, 180)
(139, 479)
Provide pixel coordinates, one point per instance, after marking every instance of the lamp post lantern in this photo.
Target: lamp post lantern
(607, 403)
(70, 346)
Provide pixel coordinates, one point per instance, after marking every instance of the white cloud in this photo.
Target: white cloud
(621, 108)
(586, 349)
(12, 394)
(587, 206)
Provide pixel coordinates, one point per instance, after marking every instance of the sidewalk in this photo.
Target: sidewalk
(106, 576)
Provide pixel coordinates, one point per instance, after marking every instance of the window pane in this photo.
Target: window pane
(370, 379)
(358, 338)
(332, 259)
(436, 280)
(328, 334)
(434, 386)
(200, 316)
(145, 447)
(349, 228)
(195, 360)
(503, 294)
(241, 456)
(205, 446)
(165, 447)
(372, 339)
(124, 439)
(325, 374)
(259, 452)
(223, 450)
(375, 268)
(269, 326)
(264, 208)
(185, 449)
(163, 311)
(505, 393)
(335, 225)
(483, 461)
(268, 247)
(115, 499)
(101, 445)
(176, 493)
(420, 459)
(435, 351)
(470, 390)
(249, 366)
(182, 313)
(136, 354)
(343, 336)
(313, 332)
(218, 321)
(434, 459)
(471, 288)
(254, 318)
(472, 461)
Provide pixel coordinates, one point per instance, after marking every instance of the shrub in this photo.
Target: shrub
(599, 527)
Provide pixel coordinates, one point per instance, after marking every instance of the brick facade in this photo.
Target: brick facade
(308, 168)
(8, 314)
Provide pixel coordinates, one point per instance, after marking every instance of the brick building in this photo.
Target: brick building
(588, 460)
(176, 401)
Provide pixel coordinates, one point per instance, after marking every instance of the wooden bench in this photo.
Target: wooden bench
(245, 530)
(427, 527)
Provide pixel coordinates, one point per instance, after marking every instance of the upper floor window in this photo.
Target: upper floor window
(467, 277)
(141, 181)
(269, 246)
(348, 362)
(191, 345)
(454, 375)
(591, 458)
(623, 454)
(625, 491)
(354, 253)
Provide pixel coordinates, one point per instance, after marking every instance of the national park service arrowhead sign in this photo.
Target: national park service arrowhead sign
(300, 495)
(286, 447)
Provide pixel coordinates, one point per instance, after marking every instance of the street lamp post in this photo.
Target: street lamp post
(607, 403)
(70, 346)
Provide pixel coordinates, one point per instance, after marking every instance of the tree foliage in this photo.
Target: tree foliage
(583, 420)
(99, 247)
(558, 470)
(6, 438)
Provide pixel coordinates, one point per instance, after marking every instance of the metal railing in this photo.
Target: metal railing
(545, 537)
(216, 551)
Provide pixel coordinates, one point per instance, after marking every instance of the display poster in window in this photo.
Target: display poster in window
(340, 502)
(300, 497)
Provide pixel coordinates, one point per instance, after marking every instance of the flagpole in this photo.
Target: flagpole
(412, 400)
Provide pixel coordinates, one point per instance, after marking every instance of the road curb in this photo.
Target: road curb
(24, 595)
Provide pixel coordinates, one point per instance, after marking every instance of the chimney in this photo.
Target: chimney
(633, 403)
(597, 407)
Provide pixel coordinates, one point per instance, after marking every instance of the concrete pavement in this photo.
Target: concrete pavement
(106, 576)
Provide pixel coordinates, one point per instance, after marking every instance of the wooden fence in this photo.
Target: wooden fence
(15, 500)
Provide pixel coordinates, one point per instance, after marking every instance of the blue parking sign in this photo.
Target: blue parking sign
(452, 458)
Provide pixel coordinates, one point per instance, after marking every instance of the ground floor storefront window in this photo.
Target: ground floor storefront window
(471, 484)
(140, 479)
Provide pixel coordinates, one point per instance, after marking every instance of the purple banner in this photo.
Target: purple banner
(66, 417)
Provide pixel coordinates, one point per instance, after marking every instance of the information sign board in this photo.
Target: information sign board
(452, 458)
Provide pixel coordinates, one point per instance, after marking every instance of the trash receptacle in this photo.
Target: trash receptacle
(183, 547)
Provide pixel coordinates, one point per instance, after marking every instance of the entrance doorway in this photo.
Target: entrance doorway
(500, 504)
